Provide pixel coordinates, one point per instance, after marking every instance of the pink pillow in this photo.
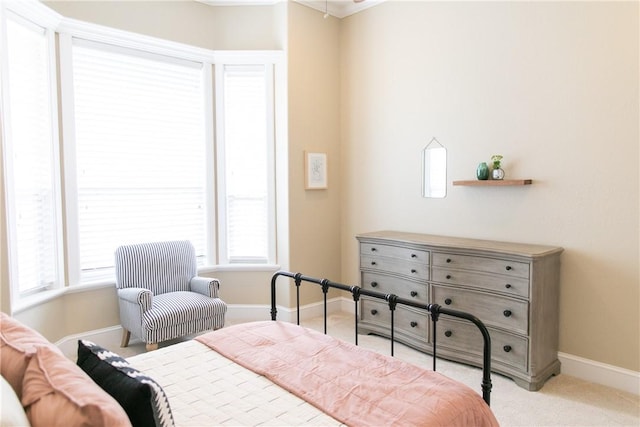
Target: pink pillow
(17, 344)
(56, 392)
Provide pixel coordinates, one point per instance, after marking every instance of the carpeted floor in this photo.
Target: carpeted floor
(563, 401)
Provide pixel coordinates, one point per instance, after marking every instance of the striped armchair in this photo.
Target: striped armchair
(160, 295)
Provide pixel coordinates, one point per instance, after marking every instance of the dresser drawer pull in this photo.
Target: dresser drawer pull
(374, 284)
(448, 260)
(448, 301)
(507, 348)
(374, 311)
(414, 324)
(414, 294)
(413, 270)
(508, 268)
(373, 249)
(448, 276)
(508, 286)
(414, 256)
(448, 333)
(373, 263)
(507, 313)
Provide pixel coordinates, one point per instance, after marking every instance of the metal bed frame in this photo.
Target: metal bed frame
(434, 310)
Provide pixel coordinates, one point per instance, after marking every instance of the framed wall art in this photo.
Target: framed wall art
(315, 171)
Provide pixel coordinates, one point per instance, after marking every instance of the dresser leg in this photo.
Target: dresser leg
(536, 383)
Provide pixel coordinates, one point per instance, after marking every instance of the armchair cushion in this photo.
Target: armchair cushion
(181, 307)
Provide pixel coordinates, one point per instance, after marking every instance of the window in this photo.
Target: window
(31, 160)
(246, 128)
(140, 154)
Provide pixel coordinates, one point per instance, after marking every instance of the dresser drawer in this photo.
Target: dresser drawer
(464, 336)
(412, 270)
(494, 282)
(394, 285)
(477, 263)
(390, 251)
(406, 320)
(493, 310)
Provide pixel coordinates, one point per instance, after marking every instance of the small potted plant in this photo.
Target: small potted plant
(496, 171)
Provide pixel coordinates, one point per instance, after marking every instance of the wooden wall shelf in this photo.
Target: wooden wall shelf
(493, 182)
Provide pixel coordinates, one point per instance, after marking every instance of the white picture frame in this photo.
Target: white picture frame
(315, 171)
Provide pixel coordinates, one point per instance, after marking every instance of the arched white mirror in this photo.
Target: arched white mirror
(434, 170)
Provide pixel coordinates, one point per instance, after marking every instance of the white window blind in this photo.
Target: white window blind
(31, 160)
(246, 145)
(140, 151)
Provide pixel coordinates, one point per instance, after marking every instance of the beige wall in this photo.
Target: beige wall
(314, 119)
(73, 313)
(553, 86)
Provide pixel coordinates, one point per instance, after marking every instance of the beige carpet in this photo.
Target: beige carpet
(563, 401)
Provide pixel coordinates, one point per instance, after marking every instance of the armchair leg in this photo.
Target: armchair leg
(152, 346)
(125, 338)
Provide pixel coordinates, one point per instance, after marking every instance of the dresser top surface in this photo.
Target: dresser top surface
(445, 242)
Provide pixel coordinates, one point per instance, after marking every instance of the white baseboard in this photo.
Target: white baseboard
(245, 313)
(600, 373)
(585, 369)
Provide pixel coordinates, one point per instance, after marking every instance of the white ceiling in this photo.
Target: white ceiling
(337, 8)
(340, 8)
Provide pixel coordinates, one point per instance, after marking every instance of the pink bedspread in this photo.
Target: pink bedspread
(354, 385)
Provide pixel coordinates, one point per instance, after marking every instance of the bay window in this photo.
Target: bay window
(160, 141)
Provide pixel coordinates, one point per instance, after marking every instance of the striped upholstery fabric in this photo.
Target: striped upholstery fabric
(159, 294)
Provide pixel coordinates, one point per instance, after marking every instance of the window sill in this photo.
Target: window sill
(26, 303)
(239, 267)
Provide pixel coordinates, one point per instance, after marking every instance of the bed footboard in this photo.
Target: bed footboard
(433, 310)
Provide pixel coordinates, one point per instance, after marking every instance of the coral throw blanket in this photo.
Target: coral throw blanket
(355, 386)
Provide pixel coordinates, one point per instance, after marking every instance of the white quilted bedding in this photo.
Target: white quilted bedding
(207, 389)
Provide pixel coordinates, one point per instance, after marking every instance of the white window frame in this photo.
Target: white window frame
(221, 160)
(76, 276)
(36, 14)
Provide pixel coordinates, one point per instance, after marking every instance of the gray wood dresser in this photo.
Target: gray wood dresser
(513, 288)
